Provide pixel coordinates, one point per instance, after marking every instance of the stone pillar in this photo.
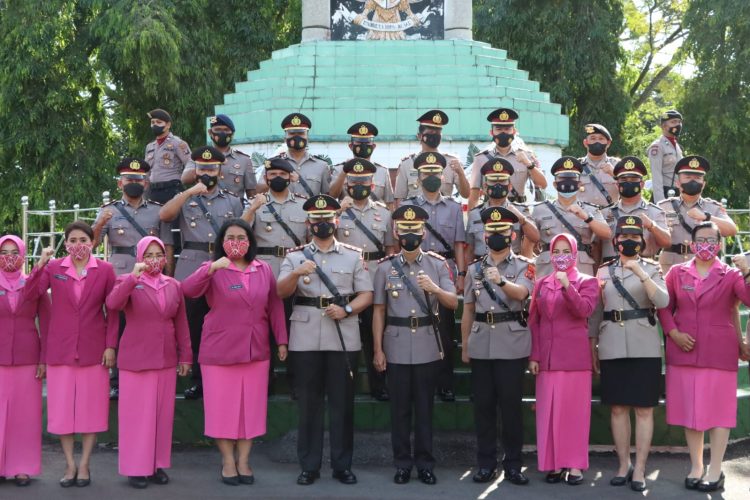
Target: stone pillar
(458, 20)
(316, 20)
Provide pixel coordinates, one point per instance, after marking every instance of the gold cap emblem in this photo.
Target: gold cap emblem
(410, 214)
(497, 167)
(568, 163)
(296, 121)
(363, 130)
(207, 155)
(431, 159)
(437, 119)
(358, 167)
(630, 221)
(504, 116)
(629, 165)
(213, 120)
(495, 215)
(135, 165)
(589, 129)
(321, 203)
(694, 163)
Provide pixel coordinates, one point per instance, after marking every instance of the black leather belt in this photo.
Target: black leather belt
(682, 249)
(447, 254)
(320, 302)
(165, 184)
(124, 251)
(275, 251)
(411, 322)
(198, 245)
(583, 246)
(493, 317)
(373, 255)
(620, 316)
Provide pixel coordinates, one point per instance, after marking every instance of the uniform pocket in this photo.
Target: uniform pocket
(299, 315)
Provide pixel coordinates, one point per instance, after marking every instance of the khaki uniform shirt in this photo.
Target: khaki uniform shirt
(653, 212)
(375, 217)
(475, 228)
(589, 192)
(663, 157)
(382, 189)
(520, 171)
(315, 171)
(168, 159)
(269, 233)
(237, 173)
(407, 177)
(446, 217)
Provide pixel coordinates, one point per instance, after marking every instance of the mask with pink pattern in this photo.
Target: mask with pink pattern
(563, 261)
(154, 265)
(705, 251)
(236, 249)
(11, 262)
(78, 251)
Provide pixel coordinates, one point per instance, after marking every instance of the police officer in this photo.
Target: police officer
(408, 288)
(445, 235)
(366, 224)
(496, 185)
(663, 155)
(332, 287)
(497, 342)
(237, 174)
(525, 164)
(629, 173)
(199, 212)
(430, 134)
(685, 211)
(312, 173)
(167, 155)
(598, 186)
(362, 145)
(568, 215)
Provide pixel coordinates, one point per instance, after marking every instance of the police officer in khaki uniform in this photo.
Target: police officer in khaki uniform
(408, 288)
(525, 164)
(568, 215)
(199, 212)
(312, 173)
(598, 186)
(237, 174)
(685, 211)
(366, 224)
(496, 185)
(362, 145)
(629, 173)
(332, 287)
(430, 134)
(445, 235)
(167, 155)
(663, 155)
(497, 342)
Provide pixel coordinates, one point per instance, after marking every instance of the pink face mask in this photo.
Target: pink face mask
(154, 265)
(563, 261)
(78, 251)
(11, 262)
(705, 251)
(236, 249)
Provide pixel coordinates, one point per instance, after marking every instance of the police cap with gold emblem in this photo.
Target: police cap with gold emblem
(630, 165)
(669, 114)
(430, 163)
(133, 167)
(629, 224)
(502, 116)
(278, 163)
(497, 169)
(567, 166)
(296, 121)
(497, 219)
(207, 157)
(359, 167)
(362, 132)
(595, 128)
(433, 118)
(692, 164)
(409, 217)
(159, 114)
(221, 120)
(321, 206)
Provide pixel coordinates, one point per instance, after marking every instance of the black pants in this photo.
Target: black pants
(375, 379)
(196, 310)
(493, 382)
(412, 385)
(164, 191)
(321, 374)
(447, 335)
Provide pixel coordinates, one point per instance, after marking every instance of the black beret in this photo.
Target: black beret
(159, 114)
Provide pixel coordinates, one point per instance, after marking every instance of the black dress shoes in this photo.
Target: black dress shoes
(706, 486)
(516, 477)
(194, 392)
(638, 485)
(247, 479)
(691, 483)
(307, 477)
(230, 480)
(82, 483)
(345, 476)
(574, 480)
(484, 475)
(67, 483)
(446, 395)
(622, 480)
(427, 476)
(138, 482)
(159, 477)
(554, 477)
(402, 476)
(381, 395)
(23, 480)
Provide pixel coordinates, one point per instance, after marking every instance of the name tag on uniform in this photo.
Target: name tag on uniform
(139, 287)
(235, 287)
(345, 216)
(2, 292)
(689, 288)
(61, 277)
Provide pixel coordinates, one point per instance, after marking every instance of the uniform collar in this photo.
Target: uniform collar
(125, 203)
(336, 247)
(513, 150)
(370, 204)
(698, 203)
(403, 260)
(306, 157)
(588, 161)
(213, 194)
(422, 200)
(503, 262)
(630, 208)
(289, 197)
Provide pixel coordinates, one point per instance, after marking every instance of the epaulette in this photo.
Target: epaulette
(380, 204)
(669, 200)
(224, 191)
(378, 165)
(524, 258)
(475, 261)
(711, 200)
(152, 202)
(112, 203)
(411, 198)
(594, 205)
(298, 195)
(242, 153)
(435, 255)
(320, 157)
(296, 249)
(387, 257)
(649, 261)
(524, 205)
(453, 155)
(350, 247)
(479, 207)
(408, 157)
(609, 262)
(654, 205)
(482, 152)
(446, 198)
(535, 203)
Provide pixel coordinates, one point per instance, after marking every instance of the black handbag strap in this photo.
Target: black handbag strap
(676, 206)
(363, 228)
(207, 214)
(621, 288)
(597, 183)
(283, 224)
(480, 275)
(438, 236)
(131, 220)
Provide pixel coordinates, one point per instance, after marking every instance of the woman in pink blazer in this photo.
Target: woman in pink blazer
(156, 340)
(703, 351)
(21, 369)
(562, 361)
(234, 351)
(79, 346)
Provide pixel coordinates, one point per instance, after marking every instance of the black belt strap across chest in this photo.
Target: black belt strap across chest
(207, 214)
(284, 225)
(597, 183)
(378, 244)
(130, 219)
(569, 227)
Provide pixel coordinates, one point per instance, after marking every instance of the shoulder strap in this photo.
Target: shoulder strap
(207, 214)
(438, 236)
(363, 228)
(283, 224)
(486, 285)
(597, 183)
(132, 221)
(621, 288)
(416, 293)
(683, 223)
(616, 213)
(305, 185)
(565, 222)
(323, 276)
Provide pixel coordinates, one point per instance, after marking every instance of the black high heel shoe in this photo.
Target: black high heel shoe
(67, 483)
(622, 480)
(706, 486)
(82, 483)
(554, 477)
(691, 483)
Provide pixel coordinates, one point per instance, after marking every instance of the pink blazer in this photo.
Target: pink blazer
(705, 315)
(19, 337)
(154, 338)
(79, 331)
(236, 329)
(558, 320)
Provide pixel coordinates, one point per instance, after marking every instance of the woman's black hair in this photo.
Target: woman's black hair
(80, 226)
(706, 225)
(219, 244)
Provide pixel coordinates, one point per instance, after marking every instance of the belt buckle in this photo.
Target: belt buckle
(211, 246)
(323, 302)
(684, 248)
(413, 323)
(490, 318)
(280, 252)
(617, 315)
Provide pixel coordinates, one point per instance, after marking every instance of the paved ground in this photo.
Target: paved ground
(195, 473)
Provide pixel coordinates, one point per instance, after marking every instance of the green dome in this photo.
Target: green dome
(390, 83)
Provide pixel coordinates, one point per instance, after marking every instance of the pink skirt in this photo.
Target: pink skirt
(235, 399)
(146, 415)
(77, 399)
(701, 398)
(563, 419)
(20, 421)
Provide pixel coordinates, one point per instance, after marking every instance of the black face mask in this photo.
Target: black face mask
(629, 248)
(597, 148)
(410, 241)
(503, 139)
(221, 139)
(278, 184)
(675, 131)
(432, 184)
(497, 191)
(498, 242)
(358, 191)
(362, 150)
(629, 189)
(296, 142)
(432, 140)
(691, 188)
(157, 129)
(323, 230)
(134, 190)
(208, 180)
(566, 186)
